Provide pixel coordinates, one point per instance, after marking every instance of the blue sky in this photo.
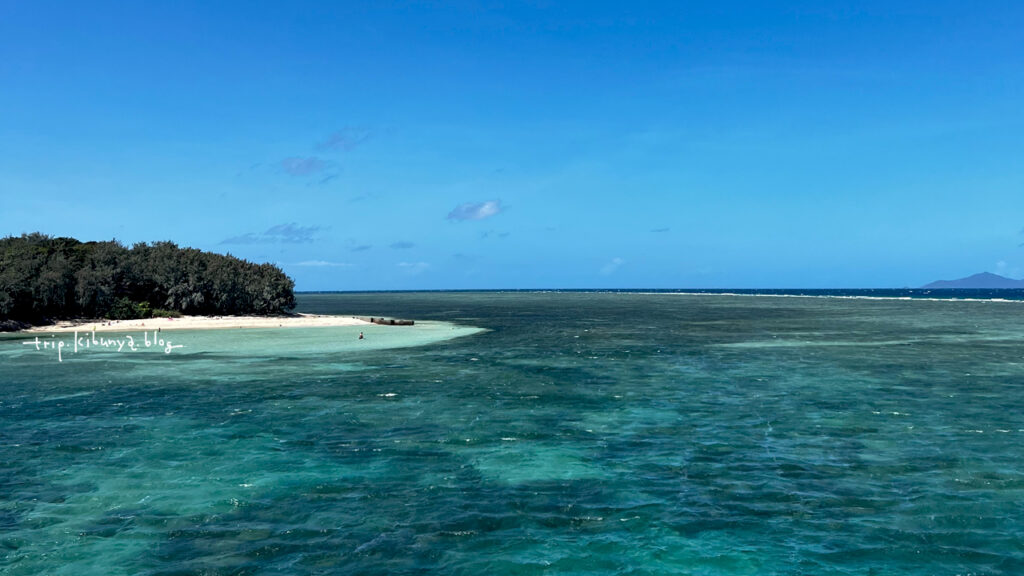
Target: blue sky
(528, 145)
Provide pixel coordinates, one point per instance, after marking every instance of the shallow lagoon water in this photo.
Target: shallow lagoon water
(576, 433)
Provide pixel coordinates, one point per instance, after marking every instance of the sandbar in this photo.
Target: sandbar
(202, 323)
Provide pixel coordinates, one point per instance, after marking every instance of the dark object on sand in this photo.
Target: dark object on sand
(392, 322)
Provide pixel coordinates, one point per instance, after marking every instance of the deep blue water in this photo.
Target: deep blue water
(869, 293)
(918, 293)
(579, 433)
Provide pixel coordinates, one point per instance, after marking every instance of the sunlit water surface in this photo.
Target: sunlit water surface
(529, 433)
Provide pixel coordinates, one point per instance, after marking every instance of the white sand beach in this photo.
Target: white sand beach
(202, 323)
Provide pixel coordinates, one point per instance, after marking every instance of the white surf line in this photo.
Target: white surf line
(835, 296)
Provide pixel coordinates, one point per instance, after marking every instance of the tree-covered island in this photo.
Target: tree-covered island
(43, 279)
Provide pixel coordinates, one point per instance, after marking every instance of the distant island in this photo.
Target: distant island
(983, 281)
(43, 279)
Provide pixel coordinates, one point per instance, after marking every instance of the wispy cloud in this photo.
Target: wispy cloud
(660, 230)
(344, 140)
(402, 245)
(360, 248)
(612, 266)
(414, 267)
(322, 264)
(494, 234)
(475, 210)
(303, 166)
(290, 233)
(248, 238)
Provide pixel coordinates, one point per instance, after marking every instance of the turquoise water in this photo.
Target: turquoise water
(530, 433)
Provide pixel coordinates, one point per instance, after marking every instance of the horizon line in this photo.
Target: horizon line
(413, 290)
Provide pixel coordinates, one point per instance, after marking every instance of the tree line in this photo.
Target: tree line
(44, 278)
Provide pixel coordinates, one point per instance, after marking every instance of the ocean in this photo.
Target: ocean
(850, 433)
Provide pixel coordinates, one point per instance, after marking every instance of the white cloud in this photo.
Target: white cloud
(322, 263)
(475, 210)
(414, 267)
(612, 266)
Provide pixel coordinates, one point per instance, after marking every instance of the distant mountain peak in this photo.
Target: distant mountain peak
(983, 280)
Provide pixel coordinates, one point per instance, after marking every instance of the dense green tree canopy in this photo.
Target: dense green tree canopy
(44, 278)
